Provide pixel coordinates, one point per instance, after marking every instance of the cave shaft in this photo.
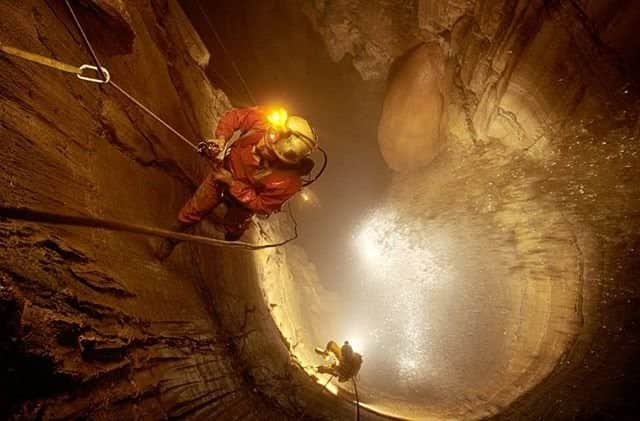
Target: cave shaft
(475, 235)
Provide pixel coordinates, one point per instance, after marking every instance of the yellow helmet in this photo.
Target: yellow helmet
(291, 138)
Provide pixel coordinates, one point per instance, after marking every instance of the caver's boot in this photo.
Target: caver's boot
(323, 369)
(322, 351)
(166, 246)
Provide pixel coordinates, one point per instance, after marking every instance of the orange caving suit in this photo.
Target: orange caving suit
(256, 188)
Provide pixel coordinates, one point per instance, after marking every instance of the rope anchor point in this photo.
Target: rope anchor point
(106, 76)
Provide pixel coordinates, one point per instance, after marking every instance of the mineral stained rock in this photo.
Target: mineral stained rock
(413, 124)
(92, 325)
(534, 189)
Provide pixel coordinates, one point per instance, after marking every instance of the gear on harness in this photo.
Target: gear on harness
(209, 148)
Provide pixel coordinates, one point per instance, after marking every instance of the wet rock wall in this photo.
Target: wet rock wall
(92, 324)
(542, 149)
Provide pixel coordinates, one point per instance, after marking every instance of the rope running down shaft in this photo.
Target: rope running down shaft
(32, 215)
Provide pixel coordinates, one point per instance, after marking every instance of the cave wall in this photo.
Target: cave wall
(93, 325)
(542, 145)
(541, 123)
(517, 70)
(106, 329)
(413, 124)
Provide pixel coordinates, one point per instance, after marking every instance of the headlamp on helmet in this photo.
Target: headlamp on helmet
(290, 137)
(278, 119)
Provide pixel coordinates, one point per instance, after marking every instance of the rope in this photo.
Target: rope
(226, 51)
(32, 215)
(37, 58)
(246, 85)
(86, 42)
(152, 114)
(324, 387)
(131, 98)
(355, 388)
(325, 161)
(104, 74)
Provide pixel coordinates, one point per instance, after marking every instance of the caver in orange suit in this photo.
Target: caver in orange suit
(259, 186)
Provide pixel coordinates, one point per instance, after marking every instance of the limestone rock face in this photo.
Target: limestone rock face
(116, 9)
(438, 16)
(412, 126)
(512, 127)
(111, 21)
(518, 68)
(542, 141)
(369, 32)
(93, 326)
(197, 50)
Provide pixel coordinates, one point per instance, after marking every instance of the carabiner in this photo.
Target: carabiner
(105, 73)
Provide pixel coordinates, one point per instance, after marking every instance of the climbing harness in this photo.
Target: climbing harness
(104, 77)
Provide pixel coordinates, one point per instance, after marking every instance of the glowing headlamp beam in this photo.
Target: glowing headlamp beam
(278, 118)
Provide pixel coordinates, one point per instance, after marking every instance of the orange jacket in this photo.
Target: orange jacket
(257, 186)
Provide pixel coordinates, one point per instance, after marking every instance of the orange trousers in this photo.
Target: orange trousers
(209, 195)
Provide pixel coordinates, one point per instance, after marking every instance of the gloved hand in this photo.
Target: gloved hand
(210, 148)
(223, 175)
